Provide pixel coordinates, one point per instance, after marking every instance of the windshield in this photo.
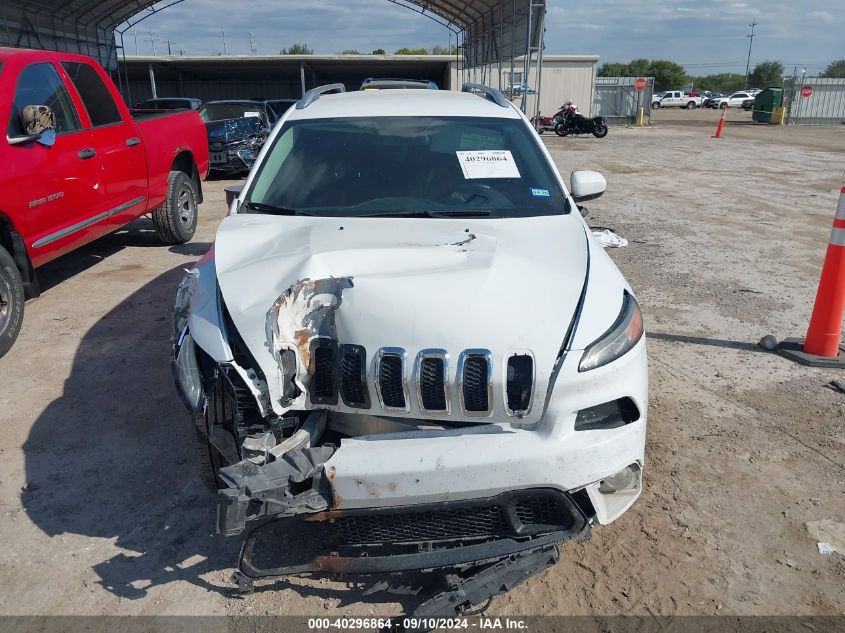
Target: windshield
(406, 166)
(223, 111)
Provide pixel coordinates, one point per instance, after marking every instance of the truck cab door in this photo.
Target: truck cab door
(118, 144)
(59, 185)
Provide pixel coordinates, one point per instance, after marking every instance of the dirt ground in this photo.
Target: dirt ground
(102, 510)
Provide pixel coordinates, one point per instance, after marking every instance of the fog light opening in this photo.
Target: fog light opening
(626, 479)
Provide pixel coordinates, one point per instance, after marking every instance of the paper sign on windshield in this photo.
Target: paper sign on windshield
(493, 163)
(252, 113)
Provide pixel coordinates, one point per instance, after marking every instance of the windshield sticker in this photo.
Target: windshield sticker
(540, 193)
(252, 113)
(496, 163)
(476, 141)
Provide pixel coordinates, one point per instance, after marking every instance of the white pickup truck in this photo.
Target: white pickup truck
(675, 99)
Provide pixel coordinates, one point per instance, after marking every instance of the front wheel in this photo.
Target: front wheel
(599, 129)
(561, 129)
(11, 301)
(656, 105)
(176, 221)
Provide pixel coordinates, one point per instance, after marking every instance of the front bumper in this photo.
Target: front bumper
(413, 469)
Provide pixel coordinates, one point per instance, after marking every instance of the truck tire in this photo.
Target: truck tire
(11, 301)
(691, 105)
(218, 413)
(176, 221)
(655, 105)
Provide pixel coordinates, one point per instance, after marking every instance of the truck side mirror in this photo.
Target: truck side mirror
(586, 185)
(39, 125)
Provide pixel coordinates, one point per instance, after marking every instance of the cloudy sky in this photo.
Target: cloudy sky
(706, 36)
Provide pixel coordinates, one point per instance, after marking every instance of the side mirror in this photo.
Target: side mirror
(586, 185)
(39, 125)
(232, 192)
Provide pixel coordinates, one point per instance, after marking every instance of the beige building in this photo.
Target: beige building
(285, 76)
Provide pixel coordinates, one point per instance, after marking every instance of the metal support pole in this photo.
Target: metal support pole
(152, 80)
(302, 76)
(542, 27)
(527, 65)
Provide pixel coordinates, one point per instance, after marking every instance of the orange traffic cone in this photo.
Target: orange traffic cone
(821, 347)
(721, 125)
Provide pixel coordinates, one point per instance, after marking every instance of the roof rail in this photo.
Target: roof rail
(312, 95)
(491, 94)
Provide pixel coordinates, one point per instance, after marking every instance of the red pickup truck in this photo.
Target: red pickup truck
(76, 165)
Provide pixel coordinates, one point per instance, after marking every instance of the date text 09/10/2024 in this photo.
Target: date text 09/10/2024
(479, 623)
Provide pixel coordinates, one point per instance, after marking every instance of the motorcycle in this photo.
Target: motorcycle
(575, 123)
(546, 123)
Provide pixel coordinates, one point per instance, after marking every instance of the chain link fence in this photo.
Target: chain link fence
(825, 106)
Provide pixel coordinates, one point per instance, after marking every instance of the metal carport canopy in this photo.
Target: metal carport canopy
(492, 30)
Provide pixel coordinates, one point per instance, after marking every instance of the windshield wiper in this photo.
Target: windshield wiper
(263, 207)
(433, 213)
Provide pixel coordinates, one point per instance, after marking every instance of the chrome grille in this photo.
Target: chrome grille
(390, 379)
(475, 372)
(432, 375)
(353, 376)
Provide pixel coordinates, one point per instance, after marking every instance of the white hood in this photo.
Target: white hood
(416, 283)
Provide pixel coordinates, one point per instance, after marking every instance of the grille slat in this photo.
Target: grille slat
(391, 381)
(353, 376)
(432, 384)
(475, 384)
(323, 386)
(520, 383)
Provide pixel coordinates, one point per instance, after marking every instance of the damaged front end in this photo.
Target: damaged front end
(234, 144)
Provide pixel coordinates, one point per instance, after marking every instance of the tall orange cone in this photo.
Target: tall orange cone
(822, 347)
(721, 125)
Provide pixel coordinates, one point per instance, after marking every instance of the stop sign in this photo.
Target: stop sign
(806, 91)
(639, 84)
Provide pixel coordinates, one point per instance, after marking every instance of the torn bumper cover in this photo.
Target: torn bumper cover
(433, 536)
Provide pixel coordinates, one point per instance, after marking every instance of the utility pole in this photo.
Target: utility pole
(252, 43)
(750, 42)
(225, 51)
(152, 40)
(169, 42)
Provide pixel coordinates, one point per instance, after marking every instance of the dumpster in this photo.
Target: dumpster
(765, 103)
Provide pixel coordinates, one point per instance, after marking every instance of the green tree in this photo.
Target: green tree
(835, 69)
(297, 49)
(765, 74)
(379, 51)
(412, 51)
(444, 50)
(612, 69)
(350, 51)
(667, 75)
(722, 83)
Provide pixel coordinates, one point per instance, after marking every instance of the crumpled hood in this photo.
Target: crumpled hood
(506, 285)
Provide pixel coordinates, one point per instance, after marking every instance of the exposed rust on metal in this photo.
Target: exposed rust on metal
(331, 472)
(334, 564)
(303, 338)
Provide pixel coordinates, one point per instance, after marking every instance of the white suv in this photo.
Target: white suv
(735, 100)
(406, 344)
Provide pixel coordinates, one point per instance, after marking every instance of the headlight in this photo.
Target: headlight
(626, 332)
(182, 305)
(186, 373)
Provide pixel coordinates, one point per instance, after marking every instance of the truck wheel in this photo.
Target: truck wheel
(218, 413)
(691, 105)
(656, 105)
(11, 301)
(176, 221)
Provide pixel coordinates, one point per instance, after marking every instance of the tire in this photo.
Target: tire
(724, 106)
(176, 221)
(561, 130)
(656, 105)
(219, 412)
(11, 302)
(691, 105)
(599, 129)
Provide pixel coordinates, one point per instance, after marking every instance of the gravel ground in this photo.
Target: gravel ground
(102, 511)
